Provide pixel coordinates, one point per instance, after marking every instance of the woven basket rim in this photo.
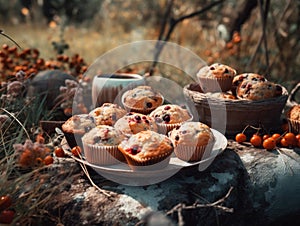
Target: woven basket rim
(199, 97)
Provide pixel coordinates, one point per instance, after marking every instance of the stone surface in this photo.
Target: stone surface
(265, 191)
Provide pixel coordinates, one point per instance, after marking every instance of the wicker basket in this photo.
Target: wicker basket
(232, 116)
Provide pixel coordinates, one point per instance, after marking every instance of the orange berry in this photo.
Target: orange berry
(240, 138)
(284, 143)
(269, 143)
(256, 140)
(266, 136)
(48, 160)
(76, 151)
(276, 137)
(290, 138)
(59, 152)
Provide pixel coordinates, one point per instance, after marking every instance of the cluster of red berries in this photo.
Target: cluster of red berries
(28, 60)
(6, 213)
(270, 141)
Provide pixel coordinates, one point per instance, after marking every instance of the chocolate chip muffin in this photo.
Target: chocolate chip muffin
(107, 114)
(253, 90)
(147, 150)
(216, 78)
(142, 99)
(101, 145)
(237, 80)
(192, 141)
(134, 122)
(169, 116)
(75, 127)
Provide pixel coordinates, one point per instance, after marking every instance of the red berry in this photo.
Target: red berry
(5, 202)
(256, 140)
(269, 143)
(240, 138)
(6, 216)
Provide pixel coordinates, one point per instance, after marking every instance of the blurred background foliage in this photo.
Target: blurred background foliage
(262, 37)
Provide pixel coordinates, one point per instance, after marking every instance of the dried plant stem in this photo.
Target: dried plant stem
(217, 204)
(83, 166)
(85, 170)
(17, 121)
(5, 35)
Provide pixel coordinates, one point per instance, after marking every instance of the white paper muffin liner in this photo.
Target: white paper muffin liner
(215, 84)
(103, 155)
(193, 153)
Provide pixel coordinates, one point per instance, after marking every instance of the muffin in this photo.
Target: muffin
(253, 90)
(75, 127)
(134, 122)
(147, 150)
(107, 114)
(224, 95)
(101, 145)
(142, 99)
(216, 78)
(293, 117)
(237, 80)
(193, 141)
(169, 116)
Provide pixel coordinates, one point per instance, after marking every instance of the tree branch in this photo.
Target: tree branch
(173, 22)
(217, 204)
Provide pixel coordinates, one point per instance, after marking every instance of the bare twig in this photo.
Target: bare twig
(217, 204)
(85, 170)
(5, 35)
(264, 16)
(83, 166)
(263, 39)
(172, 24)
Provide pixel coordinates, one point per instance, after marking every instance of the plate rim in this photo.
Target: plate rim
(223, 142)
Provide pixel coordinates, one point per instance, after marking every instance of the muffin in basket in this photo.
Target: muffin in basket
(192, 141)
(147, 150)
(253, 90)
(101, 145)
(142, 99)
(107, 114)
(216, 78)
(169, 116)
(237, 80)
(75, 127)
(134, 122)
(293, 117)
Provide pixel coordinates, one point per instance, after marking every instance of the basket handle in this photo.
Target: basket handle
(291, 99)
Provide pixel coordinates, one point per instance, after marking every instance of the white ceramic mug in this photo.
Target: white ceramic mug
(109, 87)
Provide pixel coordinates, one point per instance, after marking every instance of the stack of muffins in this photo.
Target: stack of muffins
(224, 82)
(144, 133)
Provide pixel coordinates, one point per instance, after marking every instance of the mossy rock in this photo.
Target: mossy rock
(46, 86)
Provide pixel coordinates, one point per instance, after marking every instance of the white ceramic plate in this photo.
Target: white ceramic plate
(122, 170)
